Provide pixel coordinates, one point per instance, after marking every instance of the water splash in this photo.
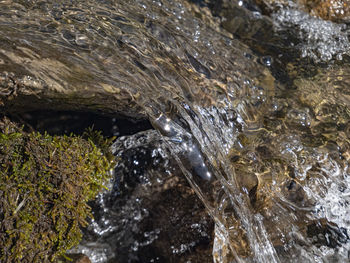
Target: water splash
(186, 150)
(320, 40)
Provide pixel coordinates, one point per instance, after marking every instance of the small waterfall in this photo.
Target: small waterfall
(262, 136)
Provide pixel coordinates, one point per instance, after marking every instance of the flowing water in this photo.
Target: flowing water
(266, 153)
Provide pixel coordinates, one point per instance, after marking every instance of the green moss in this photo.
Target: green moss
(45, 183)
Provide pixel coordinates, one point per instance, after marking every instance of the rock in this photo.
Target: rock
(248, 21)
(124, 59)
(328, 94)
(152, 214)
(338, 11)
(287, 31)
(79, 258)
(334, 10)
(48, 71)
(133, 58)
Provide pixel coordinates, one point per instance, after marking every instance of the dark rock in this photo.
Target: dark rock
(324, 233)
(152, 213)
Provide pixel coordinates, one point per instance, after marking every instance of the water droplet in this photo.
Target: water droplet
(266, 60)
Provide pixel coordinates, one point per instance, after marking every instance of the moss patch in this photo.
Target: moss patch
(45, 183)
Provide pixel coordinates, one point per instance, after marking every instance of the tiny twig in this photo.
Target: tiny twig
(20, 205)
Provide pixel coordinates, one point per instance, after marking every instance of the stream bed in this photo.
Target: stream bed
(247, 159)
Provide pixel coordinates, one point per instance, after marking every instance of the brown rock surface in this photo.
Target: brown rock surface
(80, 258)
(334, 10)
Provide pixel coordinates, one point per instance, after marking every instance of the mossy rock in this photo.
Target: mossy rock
(45, 183)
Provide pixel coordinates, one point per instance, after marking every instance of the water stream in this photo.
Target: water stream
(261, 135)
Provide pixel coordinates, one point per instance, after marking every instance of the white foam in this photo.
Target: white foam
(320, 40)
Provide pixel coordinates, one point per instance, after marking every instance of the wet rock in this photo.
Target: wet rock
(248, 21)
(334, 10)
(126, 58)
(331, 113)
(244, 19)
(152, 214)
(338, 10)
(287, 30)
(21, 90)
(327, 233)
(129, 57)
(284, 171)
(79, 258)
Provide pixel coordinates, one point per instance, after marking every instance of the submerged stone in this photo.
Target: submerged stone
(152, 214)
(289, 30)
(114, 57)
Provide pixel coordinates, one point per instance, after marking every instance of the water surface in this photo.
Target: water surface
(267, 153)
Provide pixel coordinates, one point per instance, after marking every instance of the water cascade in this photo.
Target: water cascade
(261, 136)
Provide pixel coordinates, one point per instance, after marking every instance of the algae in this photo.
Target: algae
(45, 183)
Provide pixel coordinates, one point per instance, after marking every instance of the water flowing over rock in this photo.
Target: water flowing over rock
(288, 28)
(335, 10)
(152, 214)
(106, 56)
(261, 137)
